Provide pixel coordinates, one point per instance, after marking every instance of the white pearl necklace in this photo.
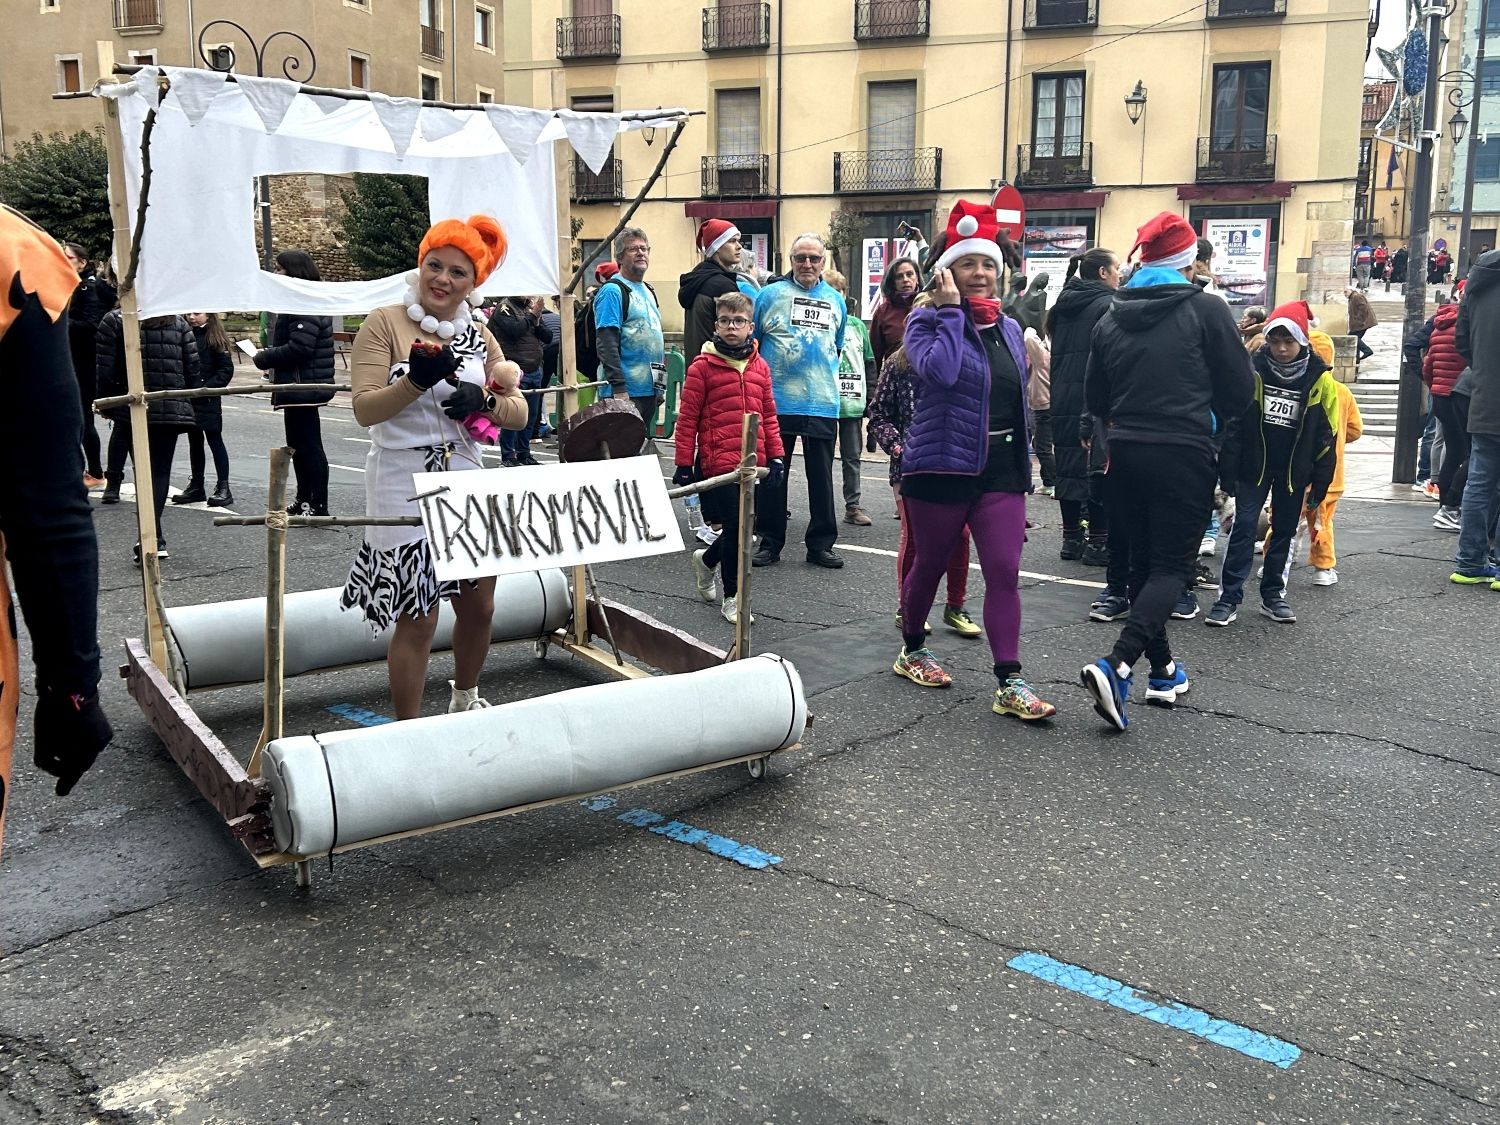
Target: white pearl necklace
(442, 329)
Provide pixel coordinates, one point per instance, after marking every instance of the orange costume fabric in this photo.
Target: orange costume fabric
(1348, 426)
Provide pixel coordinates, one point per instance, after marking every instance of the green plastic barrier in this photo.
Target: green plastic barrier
(661, 427)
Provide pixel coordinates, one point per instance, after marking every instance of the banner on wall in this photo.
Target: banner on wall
(759, 246)
(1048, 249)
(1242, 255)
(872, 259)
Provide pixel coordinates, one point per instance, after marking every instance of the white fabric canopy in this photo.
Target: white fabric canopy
(198, 250)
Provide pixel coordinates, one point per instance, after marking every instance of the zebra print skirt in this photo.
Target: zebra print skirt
(392, 575)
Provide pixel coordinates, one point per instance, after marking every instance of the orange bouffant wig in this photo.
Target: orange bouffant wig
(480, 238)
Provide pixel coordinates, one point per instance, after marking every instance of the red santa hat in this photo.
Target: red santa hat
(604, 271)
(1294, 316)
(1168, 241)
(714, 233)
(972, 229)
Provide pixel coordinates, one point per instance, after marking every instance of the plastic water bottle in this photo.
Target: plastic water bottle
(694, 511)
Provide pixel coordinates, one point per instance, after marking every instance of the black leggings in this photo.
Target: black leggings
(722, 506)
(215, 440)
(1073, 510)
(304, 433)
(1453, 415)
(161, 444)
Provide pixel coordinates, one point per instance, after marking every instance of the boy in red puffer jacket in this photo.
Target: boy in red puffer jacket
(727, 381)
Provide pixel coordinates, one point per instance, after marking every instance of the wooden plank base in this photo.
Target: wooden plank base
(653, 642)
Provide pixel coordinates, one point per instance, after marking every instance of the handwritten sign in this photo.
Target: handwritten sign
(504, 521)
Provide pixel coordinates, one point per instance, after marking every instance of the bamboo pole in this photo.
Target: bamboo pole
(274, 692)
(749, 433)
(269, 388)
(135, 379)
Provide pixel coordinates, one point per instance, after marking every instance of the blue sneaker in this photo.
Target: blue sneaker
(1110, 690)
(1165, 690)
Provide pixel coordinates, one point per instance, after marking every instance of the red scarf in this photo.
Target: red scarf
(984, 310)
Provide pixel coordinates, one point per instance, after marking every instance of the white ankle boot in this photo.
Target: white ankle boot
(464, 699)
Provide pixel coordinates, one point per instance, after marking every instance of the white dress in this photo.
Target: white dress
(392, 574)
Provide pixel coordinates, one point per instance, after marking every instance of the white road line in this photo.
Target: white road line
(975, 566)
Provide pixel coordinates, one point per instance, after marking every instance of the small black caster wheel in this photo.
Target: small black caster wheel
(539, 648)
(759, 767)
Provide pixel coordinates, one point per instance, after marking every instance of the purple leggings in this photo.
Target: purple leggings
(997, 522)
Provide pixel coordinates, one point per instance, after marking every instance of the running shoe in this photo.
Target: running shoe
(1111, 692)
(1326, 576)
(704, 578)
(731, 610)
(1474, 577)
(1109, 607)
(921, 668)
(926, 625)
(1187, 607)
(1206, 548)
(957, 618)
(1015, 697)
(1279, 610)
(1165, 690)
(1222, 614)
(1446, 519)
(1431, 491)
(1204, 577)
(1419, 486)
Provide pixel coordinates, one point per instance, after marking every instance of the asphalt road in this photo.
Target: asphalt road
(1304, 849)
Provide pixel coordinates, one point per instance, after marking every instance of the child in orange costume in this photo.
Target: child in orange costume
(1347, 427)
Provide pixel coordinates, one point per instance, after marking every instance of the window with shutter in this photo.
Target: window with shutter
(737, 128)
(891, 133)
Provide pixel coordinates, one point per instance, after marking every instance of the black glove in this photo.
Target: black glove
(466, 399)
(70, 731)
(683, 475)
(776, 472)
(427, 368)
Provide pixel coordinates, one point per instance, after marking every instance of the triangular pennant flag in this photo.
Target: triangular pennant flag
(592, 135)
(145, 82)
(399, 116)
(518, 128)
(440, 123)
(195, 90)
(327, 102)
(269, 97)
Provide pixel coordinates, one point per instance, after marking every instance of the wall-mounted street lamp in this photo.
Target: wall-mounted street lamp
(1135, 102)
(1458, 125)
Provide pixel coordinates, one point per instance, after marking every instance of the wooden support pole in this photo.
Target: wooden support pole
(135, 379)
(749, 434)
(568, 356)
(271, 388)
(275, 686)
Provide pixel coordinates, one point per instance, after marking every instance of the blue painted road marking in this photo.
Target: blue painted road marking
(721, 846)
(359, 715)
(1255, 1044)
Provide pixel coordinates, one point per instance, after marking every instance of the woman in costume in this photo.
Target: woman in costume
(425, 373)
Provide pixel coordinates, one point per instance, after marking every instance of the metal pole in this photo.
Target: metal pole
(264, 183)
(1466, 221)
(1409, 394)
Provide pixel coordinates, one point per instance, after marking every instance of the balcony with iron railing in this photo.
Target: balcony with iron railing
(604, 186)
(1050, 15)
(736, 176)
(1236, 159)
(432, 43)
(1043, 166)
(892, 19)
(1245, 9)
(137, 16)
(737, 27)
(588, 37)
(888, 170)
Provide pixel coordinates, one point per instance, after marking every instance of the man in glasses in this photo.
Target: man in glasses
(799, 322)
(628, 329)
(719, 243)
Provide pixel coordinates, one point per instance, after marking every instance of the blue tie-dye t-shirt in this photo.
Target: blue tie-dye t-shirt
(641, 344)
(801, 334)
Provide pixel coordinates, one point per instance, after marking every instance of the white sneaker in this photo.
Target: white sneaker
(1260, 572)
(464, 699)
(707, 535)
(1326, 577)
(1419, 486)
(705, 579)
(731, 611)
(1206, 548)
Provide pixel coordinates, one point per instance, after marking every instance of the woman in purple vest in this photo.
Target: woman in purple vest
(967, 455)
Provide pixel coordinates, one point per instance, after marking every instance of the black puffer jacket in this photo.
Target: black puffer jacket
(301, 351)
(169, 362)
(216, 369)
(523, 337)
(1167, 366)
(91, 300)
(1478, 340)
(696, 292)
(1071, 326)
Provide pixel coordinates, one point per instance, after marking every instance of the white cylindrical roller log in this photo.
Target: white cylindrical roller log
(224, 642)
(347, 786)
